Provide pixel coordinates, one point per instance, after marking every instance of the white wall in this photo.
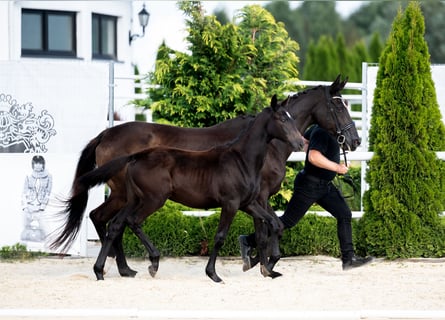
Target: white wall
(75, 95)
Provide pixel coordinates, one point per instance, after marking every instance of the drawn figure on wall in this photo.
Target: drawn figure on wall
(35, 197)
(22, 130)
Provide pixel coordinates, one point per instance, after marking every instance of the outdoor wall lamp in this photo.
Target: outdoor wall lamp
(143, 16)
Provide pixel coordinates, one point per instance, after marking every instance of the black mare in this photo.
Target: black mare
(225, 176)
(322, 105)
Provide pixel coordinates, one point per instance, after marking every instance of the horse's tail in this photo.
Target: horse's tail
(76, 204)
(87, 159)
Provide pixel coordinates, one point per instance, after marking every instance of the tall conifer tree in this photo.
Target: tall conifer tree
(406, 179)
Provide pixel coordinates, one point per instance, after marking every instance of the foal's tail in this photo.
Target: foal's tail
(76, 204)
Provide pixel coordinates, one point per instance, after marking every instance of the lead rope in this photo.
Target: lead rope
(346, 178)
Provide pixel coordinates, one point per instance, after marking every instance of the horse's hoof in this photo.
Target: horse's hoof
(264, 271)
(274, 274)
(269, 273)
(99, 276)
(215, 277)
(152, 270)
(127, 272)
(254, 261)
(110, 261)
(99, 273)
(272, 262)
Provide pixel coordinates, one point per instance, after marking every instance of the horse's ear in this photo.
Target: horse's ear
(338, 85)
(336, 81)
(343, 83)
(274, 103)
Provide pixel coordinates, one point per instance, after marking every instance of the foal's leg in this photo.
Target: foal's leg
(153, 252)
(271, 246)
(258, 212)
(274, 241)
(100, 217)
(121, 261)
(226, 218)
(258, 225)
(115, 228)
(150, 203)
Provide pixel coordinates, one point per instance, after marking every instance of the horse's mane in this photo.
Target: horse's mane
(228, 123)
(228, 144)
(306, 91)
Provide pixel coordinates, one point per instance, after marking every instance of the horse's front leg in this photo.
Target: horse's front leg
(261, 231)
(226, 218)
(274, 254)
(274, 242)
(271, 247)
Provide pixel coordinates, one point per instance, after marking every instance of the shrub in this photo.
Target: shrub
(406, 180)
(175, 234)
(18, 252)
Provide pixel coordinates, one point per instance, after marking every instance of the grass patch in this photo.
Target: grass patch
(18, 252)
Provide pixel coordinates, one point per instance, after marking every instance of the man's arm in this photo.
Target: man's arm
(319, 160)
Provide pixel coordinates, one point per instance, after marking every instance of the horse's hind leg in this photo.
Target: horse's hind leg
(115, 228)
(121, 261)
(254, 260)
(152, 201)
(100, 217)
(274, 253)
(225, 221)
(153, 252)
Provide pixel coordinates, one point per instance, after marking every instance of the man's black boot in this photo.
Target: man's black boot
(245, 250)
(356, 261)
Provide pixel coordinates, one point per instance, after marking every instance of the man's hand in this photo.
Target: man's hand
(318, 159)
(342, 169)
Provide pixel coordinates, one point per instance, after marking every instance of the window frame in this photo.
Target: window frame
(101, 55)
(45, 51)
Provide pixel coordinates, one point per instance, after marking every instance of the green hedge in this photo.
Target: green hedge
(176, 234)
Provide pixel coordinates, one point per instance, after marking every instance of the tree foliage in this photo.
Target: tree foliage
(230, 69)
(369, 26)
(327, 57)
(406, 180)
(308, 22)
(377, 16)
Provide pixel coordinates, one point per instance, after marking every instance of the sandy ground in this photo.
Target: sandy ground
(311, 287)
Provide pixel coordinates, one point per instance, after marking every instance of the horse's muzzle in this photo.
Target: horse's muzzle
(297, 145)
(355, 144)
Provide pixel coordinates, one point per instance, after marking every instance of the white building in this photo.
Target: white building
(59, 63)
(66, 31)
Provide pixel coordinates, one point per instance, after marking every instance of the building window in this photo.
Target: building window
(48, 33)
(104, 37)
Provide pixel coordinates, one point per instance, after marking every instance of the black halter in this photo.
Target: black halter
(339, 130)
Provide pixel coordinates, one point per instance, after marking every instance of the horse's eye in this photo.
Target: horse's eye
(341, 104)
(284, 118)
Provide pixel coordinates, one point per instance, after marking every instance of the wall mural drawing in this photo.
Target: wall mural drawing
(22, 130)
(35, 197)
